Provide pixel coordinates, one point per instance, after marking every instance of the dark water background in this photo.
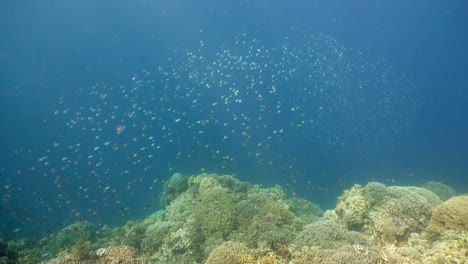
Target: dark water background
(53, 52)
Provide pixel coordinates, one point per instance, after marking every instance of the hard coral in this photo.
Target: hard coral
(443, 191)
(307, 211)
(328, 235)
(389, 214)
(264, 220)
(120, 255)
(451, 215)
(216, 212)
(230, 252)
(351, 209)
(175, 186)
(79, 251)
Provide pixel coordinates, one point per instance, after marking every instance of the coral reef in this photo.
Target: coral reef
(387, 214)
(110, 255)
(230, 252)
(451, 215)
(304, 209)
(443, 191)
(119, 255)
(79, 252)
(328, 235)
(175, 186)
(7, 253)
(70, 235)
(352, 208)
(209, 218)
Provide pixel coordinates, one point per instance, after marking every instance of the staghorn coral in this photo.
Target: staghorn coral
(451, 215)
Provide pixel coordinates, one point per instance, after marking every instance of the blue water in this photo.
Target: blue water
(103, 102)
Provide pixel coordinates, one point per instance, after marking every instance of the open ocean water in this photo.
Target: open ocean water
(102, 101)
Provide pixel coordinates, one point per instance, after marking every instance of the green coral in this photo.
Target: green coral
(216, 212)
(307, 211)
(71, 234)
(155, 235)
(214, 209)
(444, 192)
(175, 186)
(134, 232)
(8, 254)
(264, 220)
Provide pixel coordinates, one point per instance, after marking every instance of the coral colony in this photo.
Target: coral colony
(214, 219)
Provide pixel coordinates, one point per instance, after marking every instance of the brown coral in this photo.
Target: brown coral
(120, 255)
(230, 252)
(451, 215)
(79, 251)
